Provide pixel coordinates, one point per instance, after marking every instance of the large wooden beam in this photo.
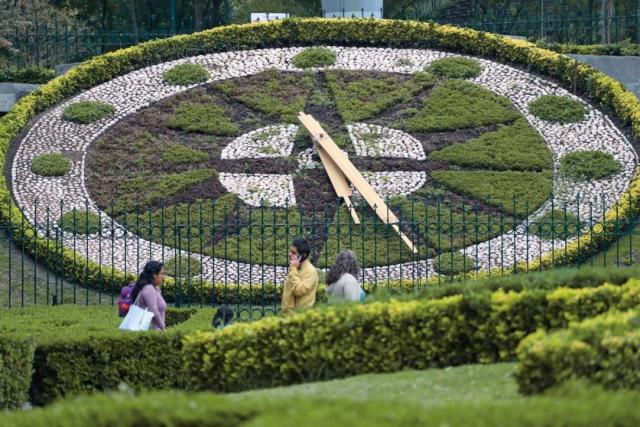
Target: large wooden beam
(350, 172)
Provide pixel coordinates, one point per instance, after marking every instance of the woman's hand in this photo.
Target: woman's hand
(294, 261)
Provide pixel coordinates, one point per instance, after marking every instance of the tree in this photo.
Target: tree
(22, 21)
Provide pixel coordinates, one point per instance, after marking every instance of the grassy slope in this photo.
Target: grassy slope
(433, 387)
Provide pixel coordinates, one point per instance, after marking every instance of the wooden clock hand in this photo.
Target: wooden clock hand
(337, 160)
(338, 181)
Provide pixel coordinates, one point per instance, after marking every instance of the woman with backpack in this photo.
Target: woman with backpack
(147, 287)
(342, 278)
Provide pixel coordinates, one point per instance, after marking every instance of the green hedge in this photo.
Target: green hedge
(82, 365)
(32, 75)
(605, 350)
(602, 90)
(341, 341)
(16, 361)
(48, 352)
(79, 350)
(573, 278)
(566, 407)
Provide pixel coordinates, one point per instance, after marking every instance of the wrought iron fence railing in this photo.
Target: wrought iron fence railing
(562, 22)
(232, 254)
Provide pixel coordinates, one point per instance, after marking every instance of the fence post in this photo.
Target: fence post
(172, 15)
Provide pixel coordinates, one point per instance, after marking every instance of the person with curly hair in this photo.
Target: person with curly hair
(342, 278)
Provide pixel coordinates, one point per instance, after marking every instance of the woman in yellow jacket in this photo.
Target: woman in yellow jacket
(302, 281)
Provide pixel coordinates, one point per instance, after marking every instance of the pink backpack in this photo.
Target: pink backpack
(125, 299)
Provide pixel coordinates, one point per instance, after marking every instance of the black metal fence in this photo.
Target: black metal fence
(563, 21)
(220, 254)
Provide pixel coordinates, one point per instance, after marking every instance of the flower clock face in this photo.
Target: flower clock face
(205, 157)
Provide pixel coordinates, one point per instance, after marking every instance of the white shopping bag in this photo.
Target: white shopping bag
(137, 319)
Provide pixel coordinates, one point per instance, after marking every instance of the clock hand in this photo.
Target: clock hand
(338, 181)
(349, 171)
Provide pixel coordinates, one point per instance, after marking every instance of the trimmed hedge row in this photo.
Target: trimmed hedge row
(605, 350)
(47, 352)
(569, 407)
(603, 90)
(341, 341)
(80, 350)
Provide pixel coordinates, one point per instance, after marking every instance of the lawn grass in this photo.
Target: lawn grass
(624, 251)
(426, 389)
(25, 282)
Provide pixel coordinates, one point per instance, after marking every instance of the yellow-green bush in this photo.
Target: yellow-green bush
(605, 350)
(384, 337)
(602, 90)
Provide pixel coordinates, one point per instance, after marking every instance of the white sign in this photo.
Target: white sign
(266, 17)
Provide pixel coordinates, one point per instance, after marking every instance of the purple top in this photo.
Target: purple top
(151, 299)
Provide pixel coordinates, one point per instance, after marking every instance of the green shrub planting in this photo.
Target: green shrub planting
(359, 97)
(573, 278)
(316, 57)
(453, 263)
(206, 118)
(180, 155)
(556, 224)
(80, 350)
(517, 193)
(455, 68)
(184, 266)
(84, 112)
(457, 104)
(81, 222)
(605, 350)
(514, 147)
(76, 349)
(466, 328)
(186, 74)
(558, 109)
(278, 94)
(33, 75)
(586, 165)
(51, 164)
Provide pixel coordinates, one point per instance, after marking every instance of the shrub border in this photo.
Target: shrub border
(340, 341)
(605, 91)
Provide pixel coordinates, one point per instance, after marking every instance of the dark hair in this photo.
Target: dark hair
(150, 270)
(346, 262)
(304, 249)
(223, 316)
